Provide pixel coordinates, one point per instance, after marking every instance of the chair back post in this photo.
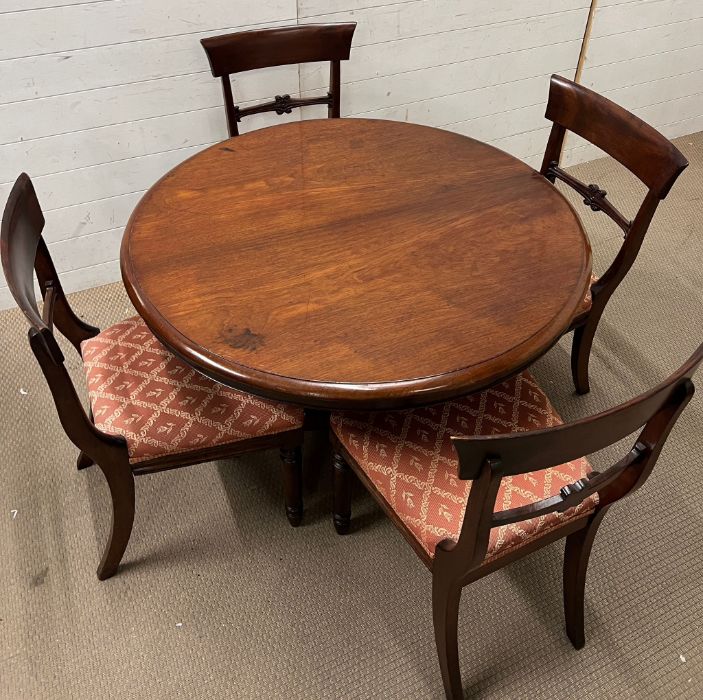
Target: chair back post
(608, 282)
(265, 48)
(552, 154)
(470, 549)
(74, 329)
(78, 427)
(649, 445)
(230, 109)
(334, 109)
(24, 253)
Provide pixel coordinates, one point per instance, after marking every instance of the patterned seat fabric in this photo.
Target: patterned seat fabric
(409, 458)
(141, 391)
(588, 299)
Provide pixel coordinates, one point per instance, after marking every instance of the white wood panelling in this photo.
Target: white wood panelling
(87, 132)
(91, 217)
(648, 57)
(101, 97)
(118, 64)
(487, 68)
(389, 96)
(92, 24)
(41, 117)
(425, 14)
(18, 5)
(383, 22)
(621, 47)
(458, 46)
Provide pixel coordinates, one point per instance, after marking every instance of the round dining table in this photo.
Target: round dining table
(355, 264)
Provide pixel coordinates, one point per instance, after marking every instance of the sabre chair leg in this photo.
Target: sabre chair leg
(445, 612)
(576, 554)
(292, 460)
(121, 485)
(581, 353)
(342, 494)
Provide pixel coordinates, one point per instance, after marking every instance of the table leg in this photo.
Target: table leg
(316, 453)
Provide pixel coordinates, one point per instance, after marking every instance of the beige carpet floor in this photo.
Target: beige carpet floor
(219, 598)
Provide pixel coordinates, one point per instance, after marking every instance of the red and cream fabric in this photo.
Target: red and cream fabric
(409, 458)
(141, 391)
(588, 299)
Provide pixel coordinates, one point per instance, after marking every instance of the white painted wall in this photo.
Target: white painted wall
(477, 67)
(647, 56)
(100, 97)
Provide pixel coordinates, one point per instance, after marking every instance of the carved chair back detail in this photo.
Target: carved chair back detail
(265, 48)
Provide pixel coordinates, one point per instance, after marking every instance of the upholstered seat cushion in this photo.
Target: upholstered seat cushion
(409, 458)
(588, 299)
(141, 391)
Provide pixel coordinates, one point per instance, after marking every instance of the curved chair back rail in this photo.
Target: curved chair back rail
(265, 48)
(646, 153)
(24, 253)
(487, 459)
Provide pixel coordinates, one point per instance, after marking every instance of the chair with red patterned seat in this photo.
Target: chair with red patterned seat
(149, 411)
(646, 153)
(476, 483)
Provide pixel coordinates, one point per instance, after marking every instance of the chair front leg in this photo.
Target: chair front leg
(121, 484)
(446, 596)
(581, 351)
(342, 494)
(292, 460)
(576, 554)
(83, 461)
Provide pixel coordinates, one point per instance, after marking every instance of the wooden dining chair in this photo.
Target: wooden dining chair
(476, 483)
(265, 48)
(149, 411)
(646, 153)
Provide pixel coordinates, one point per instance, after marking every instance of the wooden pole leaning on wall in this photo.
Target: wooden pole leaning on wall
(585, 41)
(582, 56)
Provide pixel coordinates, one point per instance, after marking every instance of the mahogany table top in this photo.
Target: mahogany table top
(349, 263)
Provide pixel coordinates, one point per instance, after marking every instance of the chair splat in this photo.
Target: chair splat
(281, 104)
(230, 54)
(593, 196)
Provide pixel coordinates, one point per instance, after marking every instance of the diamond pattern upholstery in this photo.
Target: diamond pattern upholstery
(140, 390)
(409, 458)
